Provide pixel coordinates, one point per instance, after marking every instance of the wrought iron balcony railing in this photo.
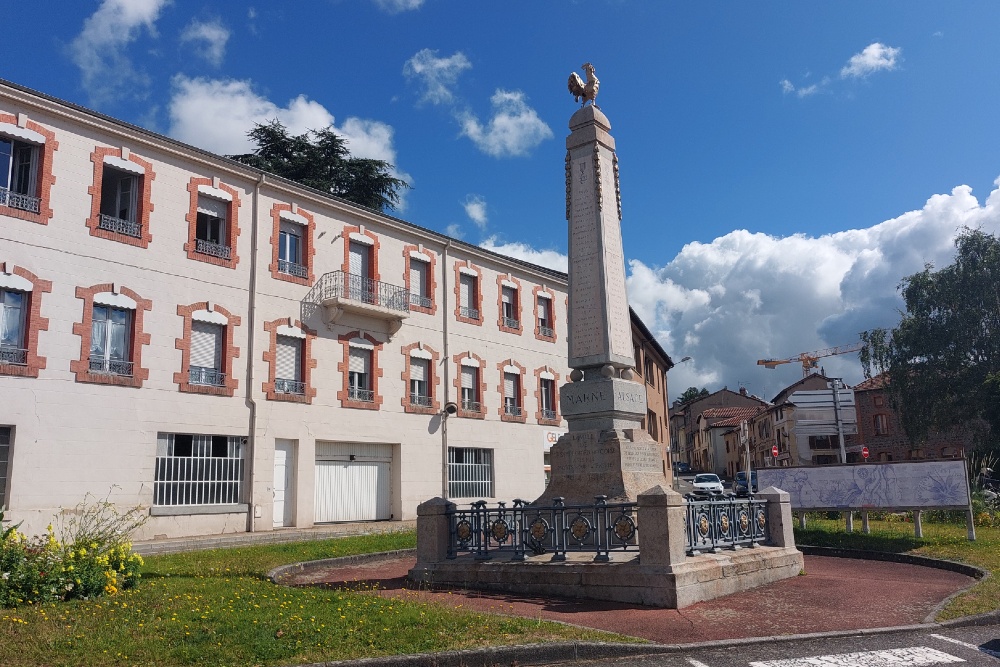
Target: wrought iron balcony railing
(206, 376)
(471, 313)
(13, 355)
(213, 249)
(548, 414)
(107, 366)
(471, 406)
(283, 386)
(292, 269)
(361, 395)
(420, 400)
(511, 323)
(19, 201)
(421, 301)
(352, 287)
(512, 410)
(548, 332)
(110, 223)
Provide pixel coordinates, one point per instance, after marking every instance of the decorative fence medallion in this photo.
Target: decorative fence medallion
(463, 531)
(500, 531)
(539, 529)
(704, 525)
(724, 525)
(580, 528)
(744, 521)
(624, 528)
(761, 519)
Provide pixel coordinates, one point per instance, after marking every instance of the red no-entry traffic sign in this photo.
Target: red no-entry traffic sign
(774, 451)
(864, 452)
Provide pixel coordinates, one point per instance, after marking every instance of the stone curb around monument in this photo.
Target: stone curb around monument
(280, 572)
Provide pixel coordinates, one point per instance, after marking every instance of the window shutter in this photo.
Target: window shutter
(507, 295)
(468, 377)
(358, 261)
(418, 369)
(509, 384)
(360, 361)
(213, 207)
(467, 284)
(418, 277)
(543, 310)
(206, 345)
(288, 355)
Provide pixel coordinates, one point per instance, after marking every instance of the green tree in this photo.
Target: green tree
(319, 159)
(692, 393)
(942, 361)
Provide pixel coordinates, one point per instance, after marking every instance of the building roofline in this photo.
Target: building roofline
(253, 173)
(650, 338)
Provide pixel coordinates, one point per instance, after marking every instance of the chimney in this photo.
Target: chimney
(743, 391)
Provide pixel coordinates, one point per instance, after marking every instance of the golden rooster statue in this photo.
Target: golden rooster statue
(588, 91)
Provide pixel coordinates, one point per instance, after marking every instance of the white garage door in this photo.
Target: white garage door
(353, 490)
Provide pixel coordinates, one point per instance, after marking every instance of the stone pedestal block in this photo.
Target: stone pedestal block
(779, 516)
(433, 530)
(661, 527)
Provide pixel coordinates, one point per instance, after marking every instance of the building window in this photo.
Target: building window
(650, 371)
(469, 303)
(881, 425)
(19, 167)
(509, 304)
(470, 385)
(470, 389)
(5, 432)
(653, 430)
(360, 371)
(547, 399)
(470, 472)
(420, 372)
(207, 350)
(879, 401)
(290, 251)
(210, 228)
(213, 222)
(511, 395)
(419, 286)
(120, 197)
(289, 362)
(288, 366)
(110, 341)
(545, 323)
(198, 470)
(419, 379)
(292, 244)
(207, 341)
(13, 315)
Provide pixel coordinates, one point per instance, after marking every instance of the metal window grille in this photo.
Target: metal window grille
(470, 472)
(110, 366)
(548, 414)
(546, 331)
(212, 249)
(420, 400)
(19, 201)
(511, 323)
(292, 269)
(470, 313)
(110, 223)
(283, 386)
(13, 355)
(198, 470)
(206, 376)
(421, 301)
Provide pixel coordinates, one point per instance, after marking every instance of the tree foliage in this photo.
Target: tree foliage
(320, 159)
(692, 393)
(942, 361)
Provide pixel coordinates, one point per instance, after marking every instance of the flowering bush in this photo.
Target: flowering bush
(88, 564)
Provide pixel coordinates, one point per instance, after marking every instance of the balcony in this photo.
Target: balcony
(292, 269)
(206, 376)
(545, 331)
(470, 313)
(548, 414)
(512, 410)
(110, 223)
(105, 366)
(360, 395)
(13, 355)
(511, 323)
(213, 249)
(283, 386)
(420, 401)
(420, 301)
(339, 293)
(471, 406)
(19, 201)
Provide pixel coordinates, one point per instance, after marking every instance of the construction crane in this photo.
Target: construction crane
(810, 360)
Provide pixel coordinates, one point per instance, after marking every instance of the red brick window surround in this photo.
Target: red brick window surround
(218, 380)
(297, 339)
(33, 147)
(107, 296)
(509, 317)
(470, 385)
(545, 302)
(213, 240)
(111, 200)
(361, 237)
(292, 248)
(24, 295)
(361, 372)
(512, 391)
(547, 380)
(421, 396)
(468, 293)
(418, 262)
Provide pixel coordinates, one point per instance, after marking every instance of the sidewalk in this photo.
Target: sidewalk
(321, 532)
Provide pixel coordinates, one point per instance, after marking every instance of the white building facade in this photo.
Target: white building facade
(236, 352)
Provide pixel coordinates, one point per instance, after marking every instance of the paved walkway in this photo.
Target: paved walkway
(835, 594)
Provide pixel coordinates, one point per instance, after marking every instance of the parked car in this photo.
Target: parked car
(681, 468)
(740, 485)
(707, 483)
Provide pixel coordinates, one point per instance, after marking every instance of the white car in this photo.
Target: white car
(707, 483)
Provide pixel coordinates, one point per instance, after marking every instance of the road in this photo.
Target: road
(970, 646)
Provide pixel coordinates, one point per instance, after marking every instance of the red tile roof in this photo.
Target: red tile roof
(877, 382)
(732, 416)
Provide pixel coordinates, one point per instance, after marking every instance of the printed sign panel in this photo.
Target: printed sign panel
(903, 485)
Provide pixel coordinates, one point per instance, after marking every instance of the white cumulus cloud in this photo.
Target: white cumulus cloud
(100, 48)
(475, 208)
(208, 38)
(397, 6)
(514, 129)
(873, 58)
(552, 259)
(436, 75)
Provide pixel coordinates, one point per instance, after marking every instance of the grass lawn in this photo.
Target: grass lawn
(941, 540)
(217, 608)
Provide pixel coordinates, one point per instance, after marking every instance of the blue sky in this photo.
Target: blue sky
(783, 165)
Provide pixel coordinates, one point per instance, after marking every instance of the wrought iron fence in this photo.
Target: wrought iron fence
(726, 522)
(283, 386)
(292, 269)
(338, 284)
(212, 249)
(597, 528)
(13, 355)
(207, 376)
(19, 201)
(110, 223)
(110, 366)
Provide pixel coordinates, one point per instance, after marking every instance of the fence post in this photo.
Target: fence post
(661, 526)
(433, 530)
(779, 516)
(918, 526)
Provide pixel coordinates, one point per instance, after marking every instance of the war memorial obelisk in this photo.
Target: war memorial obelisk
(606, 452)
